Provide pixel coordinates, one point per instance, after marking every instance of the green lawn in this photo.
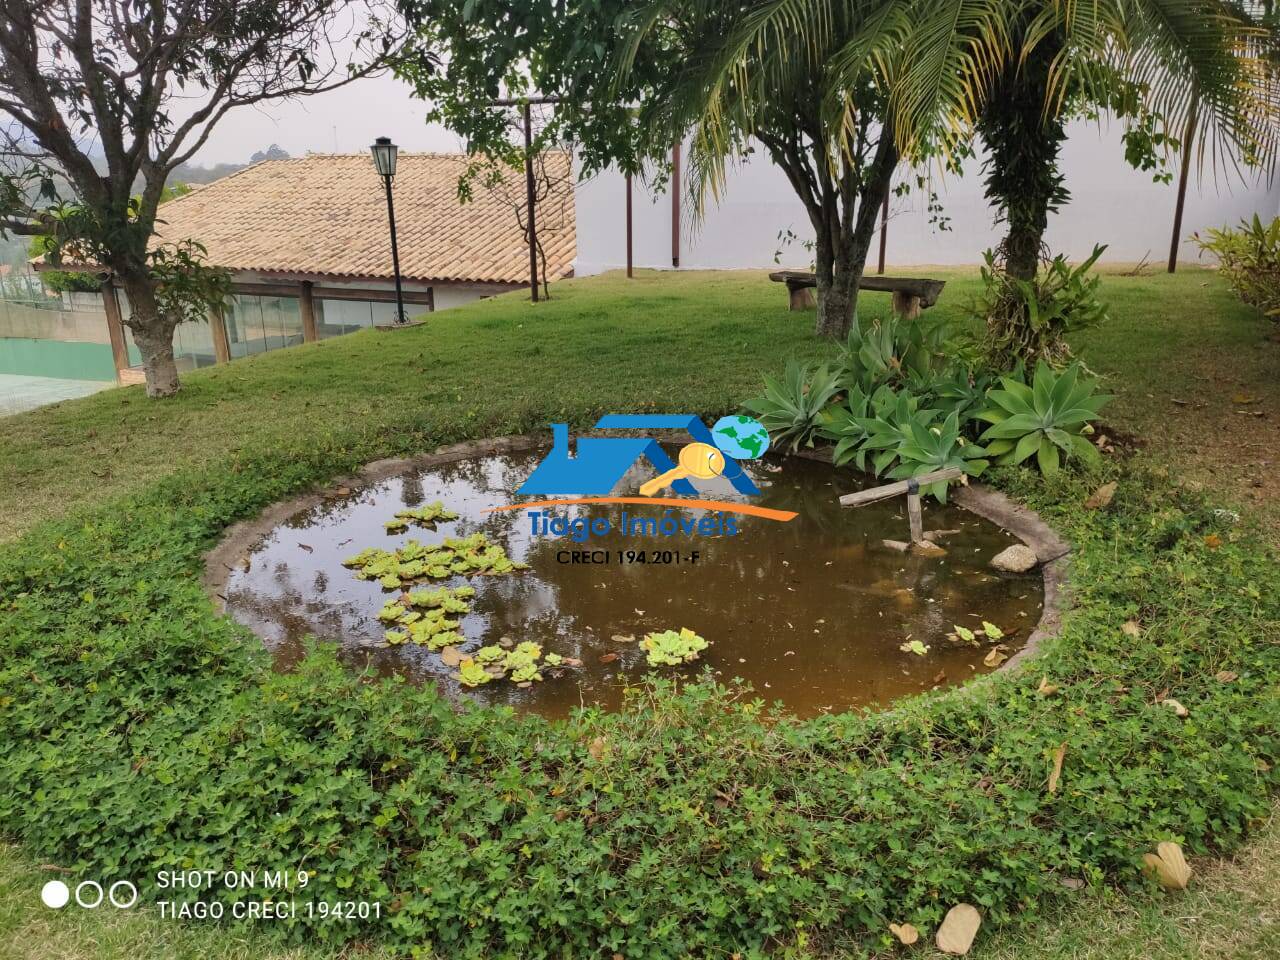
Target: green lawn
(1189, 365)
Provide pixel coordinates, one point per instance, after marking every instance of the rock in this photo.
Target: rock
(927, 548)
(1169, 865)
(906, 933)
(1016, 559)
(936, 535)
(900, 545)
(958, 929)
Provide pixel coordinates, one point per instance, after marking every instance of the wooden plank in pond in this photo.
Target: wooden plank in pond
(897, 488)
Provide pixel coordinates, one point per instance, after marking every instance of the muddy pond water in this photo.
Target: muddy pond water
(812, 612)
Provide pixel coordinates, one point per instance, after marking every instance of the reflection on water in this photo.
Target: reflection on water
(810, 612)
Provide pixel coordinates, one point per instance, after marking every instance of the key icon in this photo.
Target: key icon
(701, 461)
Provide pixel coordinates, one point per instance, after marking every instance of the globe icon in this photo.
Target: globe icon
(741, 437)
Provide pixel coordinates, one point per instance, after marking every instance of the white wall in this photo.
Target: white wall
(1111, 203)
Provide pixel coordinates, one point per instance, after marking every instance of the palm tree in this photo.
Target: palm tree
(749, 74)
(930, 73)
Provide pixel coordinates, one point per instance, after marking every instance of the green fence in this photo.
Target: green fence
(65, 359)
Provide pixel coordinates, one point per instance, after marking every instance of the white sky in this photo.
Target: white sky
(345, 120)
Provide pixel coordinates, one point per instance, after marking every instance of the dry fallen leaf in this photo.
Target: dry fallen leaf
(1131, 628)
(958, 929)
(1175, 706)
(1046, 689)
(1101, 497)
(1170, 866)
(452, 656)
(1056, 774)
(1213, 541)
(1073, 883)
(906, 933)
(624, 638)
(598, 748)
(996, 655)
(1226, 676)
(608, 657)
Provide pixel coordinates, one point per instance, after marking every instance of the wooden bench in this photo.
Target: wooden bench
(910, 294)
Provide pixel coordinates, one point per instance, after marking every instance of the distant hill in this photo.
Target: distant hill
(191, 173)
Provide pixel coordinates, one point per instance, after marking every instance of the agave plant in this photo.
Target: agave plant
(843, 424)
(893, 422)
(791, 408)
(924, 449)
(1047, 419)
(891, 351)
(960, 390)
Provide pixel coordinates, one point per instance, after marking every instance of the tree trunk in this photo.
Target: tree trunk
(1023, 143)
(838, 303)
(152, 333)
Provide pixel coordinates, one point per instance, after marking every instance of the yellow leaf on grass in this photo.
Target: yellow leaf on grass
(1131, 628)
(1101, 497)
(1056, 774)
(1046, 689)
(1169, 865)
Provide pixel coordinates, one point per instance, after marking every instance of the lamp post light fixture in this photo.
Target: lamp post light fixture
(384, 161)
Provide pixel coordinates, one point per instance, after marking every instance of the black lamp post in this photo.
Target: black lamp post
(384, 161)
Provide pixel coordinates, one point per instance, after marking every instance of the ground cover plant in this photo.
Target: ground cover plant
(690, 823)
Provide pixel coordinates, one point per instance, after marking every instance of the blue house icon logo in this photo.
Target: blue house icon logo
(597, 464)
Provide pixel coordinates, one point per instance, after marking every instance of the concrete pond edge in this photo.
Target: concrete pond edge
(1051, 550)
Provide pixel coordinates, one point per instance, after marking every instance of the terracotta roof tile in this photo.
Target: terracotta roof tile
(326, 214)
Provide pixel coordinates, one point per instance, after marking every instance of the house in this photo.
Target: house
(307, 244)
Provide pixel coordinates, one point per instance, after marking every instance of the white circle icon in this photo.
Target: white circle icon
(133, 894)
(55, 894)
(93, 884)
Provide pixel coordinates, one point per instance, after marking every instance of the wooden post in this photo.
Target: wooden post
(431, 299)
(1189, 134)
(884, 231)
(218, 333)
(115, 327)
(913, 511)
(675, 204)
(307, 308)
(898, 487)
(630, 271)
(906, 305)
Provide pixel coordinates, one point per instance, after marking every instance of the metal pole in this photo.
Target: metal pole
(675, 204)
(531, 201)
(884, 231)
(395, 252)
(1188, 136)
(630, 272)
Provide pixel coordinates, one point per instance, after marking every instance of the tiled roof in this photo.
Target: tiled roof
(326, 214)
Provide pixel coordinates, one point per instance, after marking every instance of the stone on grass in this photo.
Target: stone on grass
(958, 929)
(1018, 558)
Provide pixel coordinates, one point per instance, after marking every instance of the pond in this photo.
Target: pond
(816, 612)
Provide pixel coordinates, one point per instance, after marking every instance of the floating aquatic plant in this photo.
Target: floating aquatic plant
(426, 515)
(673, 647)
(490, 654)
(914, 646)
(455, 556)
(471, 674)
